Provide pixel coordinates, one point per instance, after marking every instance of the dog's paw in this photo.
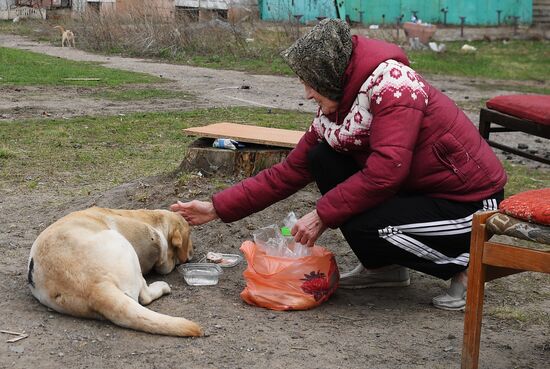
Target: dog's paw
(161, 286)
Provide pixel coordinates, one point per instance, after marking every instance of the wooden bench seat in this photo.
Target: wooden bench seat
(513, 113)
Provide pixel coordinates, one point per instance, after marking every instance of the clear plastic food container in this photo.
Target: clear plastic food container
(200, 274)
(224, 260)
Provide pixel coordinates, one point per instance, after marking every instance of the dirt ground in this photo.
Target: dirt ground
(376, 328)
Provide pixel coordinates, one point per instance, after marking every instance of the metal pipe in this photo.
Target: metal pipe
(445, 11)
(297, 17)
(515, 23)
(397, 23)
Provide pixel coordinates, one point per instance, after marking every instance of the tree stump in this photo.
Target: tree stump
(247, 161)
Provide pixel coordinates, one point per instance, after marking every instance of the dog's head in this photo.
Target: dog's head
(180, 247)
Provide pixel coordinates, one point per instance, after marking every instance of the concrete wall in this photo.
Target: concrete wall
(161, 7)
(217, 4)
(22, 12)
(235, 10)
(541, 13)
(6, 4)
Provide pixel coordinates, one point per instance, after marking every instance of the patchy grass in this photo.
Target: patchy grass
(520, 315)
(258, 51)
(21, 67)
(266, 64)
(6, 153)
(522, 178)
(96, 153)
(35, 29)
(508, 313)
(537, 88)
(140, 94)
(514, 60)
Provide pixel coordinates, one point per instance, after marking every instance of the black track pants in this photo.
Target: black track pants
(423, 233)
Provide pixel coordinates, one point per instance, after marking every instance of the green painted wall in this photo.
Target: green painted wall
(477, 12)
(285, 10)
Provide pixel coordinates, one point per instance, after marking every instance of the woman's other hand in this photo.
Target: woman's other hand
(308, 229)
(195, 212)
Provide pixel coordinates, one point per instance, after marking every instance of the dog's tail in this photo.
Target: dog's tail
(114, 305)
(60, 28)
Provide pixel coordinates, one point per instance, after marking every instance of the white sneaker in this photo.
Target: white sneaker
(360, 277)
(453, 299)
(358, 269)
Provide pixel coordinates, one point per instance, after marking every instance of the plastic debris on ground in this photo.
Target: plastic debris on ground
(277, 241)
(200, 274)
(224, 260)
(415, 44)
(438, 48)
(226, 143)
(468, 48)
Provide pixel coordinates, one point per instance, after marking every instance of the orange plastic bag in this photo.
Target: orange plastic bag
(281, 283)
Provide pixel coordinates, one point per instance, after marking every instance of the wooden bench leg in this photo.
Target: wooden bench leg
(484, 124)
(472, 320)
(507, 123)
(475, 293)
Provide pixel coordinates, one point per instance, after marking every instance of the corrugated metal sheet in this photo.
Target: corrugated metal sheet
(476, 12)
(290, 10)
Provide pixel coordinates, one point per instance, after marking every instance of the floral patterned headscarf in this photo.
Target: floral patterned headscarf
(321, 57)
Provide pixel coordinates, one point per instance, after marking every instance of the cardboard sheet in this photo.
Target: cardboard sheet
(251, 134)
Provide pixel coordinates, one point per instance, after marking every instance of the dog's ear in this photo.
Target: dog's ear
(182, 243)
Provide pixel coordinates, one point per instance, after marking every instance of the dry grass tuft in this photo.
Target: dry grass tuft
(146, 30)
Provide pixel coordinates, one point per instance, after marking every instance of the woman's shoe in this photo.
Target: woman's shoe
(448, 302)
(360, 277)
(453, 299)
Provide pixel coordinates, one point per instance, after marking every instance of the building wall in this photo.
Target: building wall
(161, 7)
(289, 10)
(476, 12)
(217, 4)
(541, 13)
(79, 5)
(234, 10)
(6, 4)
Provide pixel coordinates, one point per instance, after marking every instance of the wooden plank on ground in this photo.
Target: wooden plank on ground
(251, 134)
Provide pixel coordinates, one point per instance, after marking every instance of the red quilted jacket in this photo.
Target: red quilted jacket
(408, 137)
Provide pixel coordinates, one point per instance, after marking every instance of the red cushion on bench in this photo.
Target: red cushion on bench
(531, 107)
(532, 206)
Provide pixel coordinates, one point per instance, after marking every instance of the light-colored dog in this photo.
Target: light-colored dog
(67, 36)
(90, 264)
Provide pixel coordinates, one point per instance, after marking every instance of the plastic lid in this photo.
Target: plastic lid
(285, 231)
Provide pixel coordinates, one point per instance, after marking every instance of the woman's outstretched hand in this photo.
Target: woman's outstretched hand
(195, 212)
(308, 229)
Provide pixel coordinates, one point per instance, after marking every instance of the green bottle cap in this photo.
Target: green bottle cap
(285, 231)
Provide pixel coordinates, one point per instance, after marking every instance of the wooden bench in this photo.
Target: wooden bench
(490, 259)
(513, 113)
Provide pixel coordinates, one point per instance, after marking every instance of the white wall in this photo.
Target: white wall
(79, 5)
(217, 4)
(6, 4)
